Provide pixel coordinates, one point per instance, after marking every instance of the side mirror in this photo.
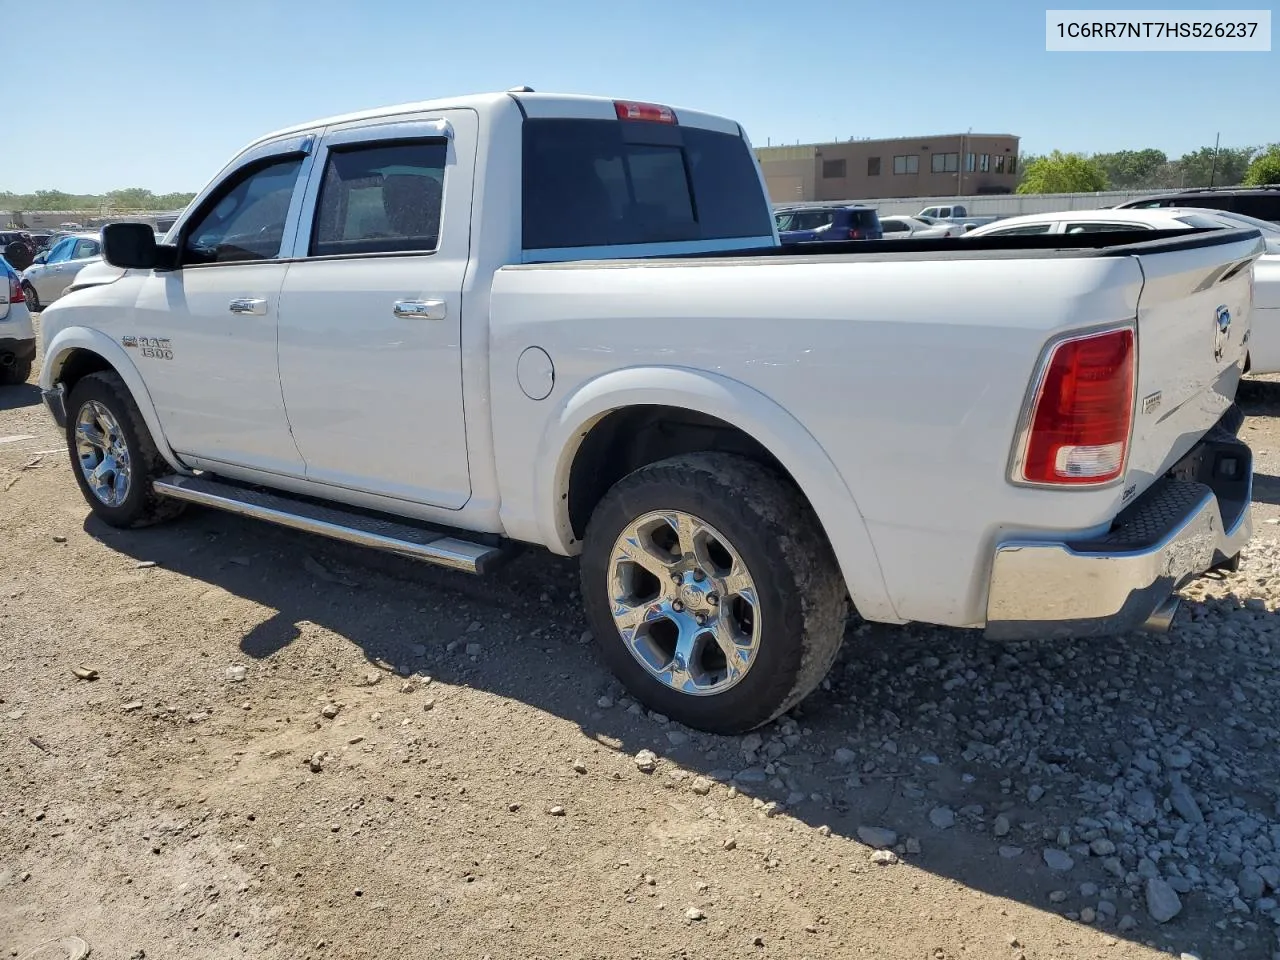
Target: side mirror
(133, 246)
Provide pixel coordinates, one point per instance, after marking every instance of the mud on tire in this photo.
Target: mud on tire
(139, 506)
(798, 593)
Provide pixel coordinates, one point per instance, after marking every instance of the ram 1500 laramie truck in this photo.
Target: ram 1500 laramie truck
(454, 327)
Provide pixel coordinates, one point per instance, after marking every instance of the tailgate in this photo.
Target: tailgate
(1193, 325)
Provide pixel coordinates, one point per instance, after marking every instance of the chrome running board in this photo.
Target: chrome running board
(417, 543)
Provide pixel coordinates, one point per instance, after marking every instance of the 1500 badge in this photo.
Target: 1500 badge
(157, 348)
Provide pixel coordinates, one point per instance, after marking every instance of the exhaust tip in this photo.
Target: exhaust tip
(1161, 619)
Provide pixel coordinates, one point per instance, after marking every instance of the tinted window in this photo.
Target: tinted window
(805, 220)
(85, 249)
(894, 226)
(1200, 222)
(244, 220)
(866, 219)
(1028, 230)
(381, 198)
(602, 182)
(1106, 227)
(61, 251)
(1264, 206)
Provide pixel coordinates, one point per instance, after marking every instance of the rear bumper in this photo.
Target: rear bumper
(1191, 520)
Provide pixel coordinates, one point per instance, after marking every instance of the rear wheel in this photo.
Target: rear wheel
(712, 591)
(32, 298)
(17, 372)
(112, 454)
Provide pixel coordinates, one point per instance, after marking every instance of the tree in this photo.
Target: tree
(1132, 169)
(1063, 173)
(1196, 169)
(1265, 168)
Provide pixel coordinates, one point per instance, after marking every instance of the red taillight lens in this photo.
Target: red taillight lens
(855, 234)
(652, 112)
(1083, 412)
(15, 291)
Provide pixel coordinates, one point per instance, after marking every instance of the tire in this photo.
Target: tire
(16, 373)
(786, 630)
(105, 400)
(33, 299)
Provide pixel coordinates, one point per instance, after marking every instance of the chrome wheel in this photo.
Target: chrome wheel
(684, 603)
(103, 453)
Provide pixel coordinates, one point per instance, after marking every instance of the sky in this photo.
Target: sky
(161, 93)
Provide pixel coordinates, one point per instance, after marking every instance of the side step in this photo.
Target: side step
(417, 543)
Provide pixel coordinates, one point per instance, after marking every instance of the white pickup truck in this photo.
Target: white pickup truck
(455, 327)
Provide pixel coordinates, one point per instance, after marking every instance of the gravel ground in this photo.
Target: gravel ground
(220, 739)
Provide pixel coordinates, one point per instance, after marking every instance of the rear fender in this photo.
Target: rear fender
(740, 406)
(83, 338)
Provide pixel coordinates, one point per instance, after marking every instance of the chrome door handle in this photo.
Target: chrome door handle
(249, 306)
(421, 309)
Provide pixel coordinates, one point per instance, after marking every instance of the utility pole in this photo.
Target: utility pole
(1213, 167)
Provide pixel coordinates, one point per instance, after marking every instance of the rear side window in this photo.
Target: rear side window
(1027, 231)
(1263, 206)
(594, 183)
(85, 249)
(381, 198)
(1105, 227)
(1200, 222)
(864, 219)
(806, 220)
(894, 226)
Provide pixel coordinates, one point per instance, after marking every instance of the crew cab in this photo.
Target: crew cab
(458, 327)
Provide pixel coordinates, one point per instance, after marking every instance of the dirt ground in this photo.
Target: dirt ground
(294, 749)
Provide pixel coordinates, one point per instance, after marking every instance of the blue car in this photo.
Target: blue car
(822, 224)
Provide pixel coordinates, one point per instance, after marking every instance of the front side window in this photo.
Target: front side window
(61, 250)
(381, 198)
(806, 220)
(245, 219)
(85, 249)
(894, 226)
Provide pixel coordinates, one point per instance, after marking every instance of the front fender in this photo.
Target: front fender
(68, 339)
(740, 406)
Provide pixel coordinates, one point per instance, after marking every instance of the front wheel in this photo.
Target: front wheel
(112, 454)
(712, 591)
(31, 297)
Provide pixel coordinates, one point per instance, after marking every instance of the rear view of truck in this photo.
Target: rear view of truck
(1146, 406)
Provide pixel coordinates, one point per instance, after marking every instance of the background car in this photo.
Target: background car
(1260, 202)
(17, 336)
(17, 247)
(51, 273)
(1264, 336)
(901, 228)
(827, 224)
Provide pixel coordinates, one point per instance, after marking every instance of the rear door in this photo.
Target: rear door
(371, 309)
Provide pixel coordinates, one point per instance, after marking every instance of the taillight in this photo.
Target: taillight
(1082, 415)
(15, 291)
(855, 234)
(628, 110)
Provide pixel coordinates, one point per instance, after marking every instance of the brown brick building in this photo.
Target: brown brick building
(958, 164)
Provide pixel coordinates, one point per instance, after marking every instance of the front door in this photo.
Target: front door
(371, 310)
(205, 333)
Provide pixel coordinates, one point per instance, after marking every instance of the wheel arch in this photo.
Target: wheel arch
(75, 352)
(586, 444)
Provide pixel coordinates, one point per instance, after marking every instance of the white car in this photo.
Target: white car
(51, 273)
(1264, 342)
(17, 336)
(901, 228)
(451, 328)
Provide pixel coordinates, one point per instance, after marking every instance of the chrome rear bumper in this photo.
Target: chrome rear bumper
(1190, 521)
